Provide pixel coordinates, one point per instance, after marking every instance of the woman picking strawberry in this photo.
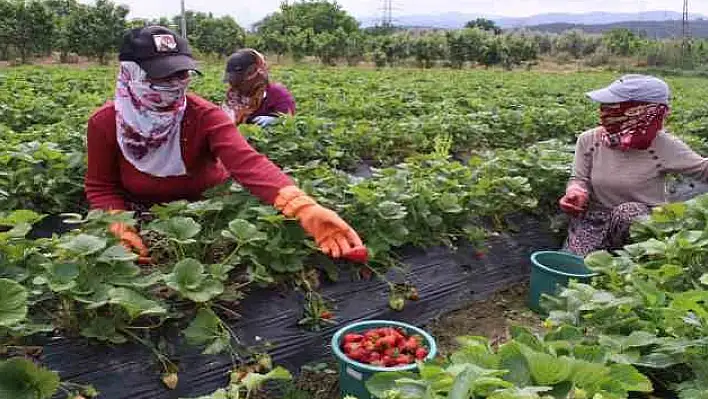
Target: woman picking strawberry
(620, 167)
(252, 97)
(155, 143)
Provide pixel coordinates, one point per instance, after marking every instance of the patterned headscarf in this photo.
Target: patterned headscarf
(149, 121)
(245, 99)
(632, 124)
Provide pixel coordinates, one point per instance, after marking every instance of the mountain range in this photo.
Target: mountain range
(458, 20)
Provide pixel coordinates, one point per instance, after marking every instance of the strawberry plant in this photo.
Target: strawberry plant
(562, 364)
(650, 304)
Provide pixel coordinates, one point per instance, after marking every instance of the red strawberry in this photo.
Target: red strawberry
(326, 315)
(358, 254)
(366, 273)
(479, 255)
(350, 347)
(412, 345)
(359, 355)
(404, 359)
(386, 342)
(374, 357)
(353, 338)
(388, 361)
(421, 353)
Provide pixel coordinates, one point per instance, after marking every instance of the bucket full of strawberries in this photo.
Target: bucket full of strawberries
(377, 346)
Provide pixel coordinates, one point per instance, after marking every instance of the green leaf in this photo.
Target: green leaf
(630, 378)
(546, 369)
(243, 232)
(188, 275)
(565, 333)
(593, 354)
(22, 379)
(13, 303)
(462, 386)
(599, 261)
(220, 272)
(514, 362)
(62, 276)
(134, 303)
(485, 386)
(103, 329)
(587, 375)
(704, 279)
(188, 278)
(179, 228)
(117, 253)
(640, 339)
(84, 244)
(380, 383)
(207, 330)
(254, 381)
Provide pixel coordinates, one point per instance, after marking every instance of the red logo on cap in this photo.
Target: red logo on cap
(165, 43)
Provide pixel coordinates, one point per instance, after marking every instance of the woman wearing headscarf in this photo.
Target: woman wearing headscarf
(155, 144)
(251, 96)
(620, 167)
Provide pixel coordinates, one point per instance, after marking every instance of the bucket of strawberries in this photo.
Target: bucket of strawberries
(366, 348)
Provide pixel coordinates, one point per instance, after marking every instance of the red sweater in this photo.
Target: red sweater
(212, 149)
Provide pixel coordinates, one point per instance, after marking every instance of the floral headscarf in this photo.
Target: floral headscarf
(244, 100)
(632, 124)
(149, 121)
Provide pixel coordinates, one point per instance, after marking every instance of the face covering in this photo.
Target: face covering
(149, 121)
(245, 98)
(632, 125)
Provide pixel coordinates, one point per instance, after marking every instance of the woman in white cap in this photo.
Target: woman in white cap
(620, 167)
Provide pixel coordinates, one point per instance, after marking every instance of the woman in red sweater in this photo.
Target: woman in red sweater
(155, 143)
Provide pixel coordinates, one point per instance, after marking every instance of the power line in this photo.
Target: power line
(686, 31)
(387, 18)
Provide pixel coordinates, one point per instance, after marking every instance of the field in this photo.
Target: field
(411, 158)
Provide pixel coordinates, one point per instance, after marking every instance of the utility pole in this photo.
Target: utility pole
(686, 33)
(387, 20)
(184, 21)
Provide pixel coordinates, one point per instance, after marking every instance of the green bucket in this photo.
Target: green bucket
(551, 271)
(353, 375)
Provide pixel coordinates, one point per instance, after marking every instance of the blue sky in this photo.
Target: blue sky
(247, 12)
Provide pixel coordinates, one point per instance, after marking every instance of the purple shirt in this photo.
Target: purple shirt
(278, 100)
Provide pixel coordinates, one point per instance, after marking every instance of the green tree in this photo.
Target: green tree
(30, 28)
(466, 45)
(319, 15)
(330, 46)
(62, 11)
(96, 31)
(429, 48)
(220, 36)
(485, 25)
(622, 42)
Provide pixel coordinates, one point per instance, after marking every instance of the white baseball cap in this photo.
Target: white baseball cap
(642, 88)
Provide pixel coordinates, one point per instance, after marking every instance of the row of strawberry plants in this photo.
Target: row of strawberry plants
(209, 253)
(650, 304)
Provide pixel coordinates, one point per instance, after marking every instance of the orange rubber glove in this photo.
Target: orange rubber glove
(131, 240)
(575, 200)
(332, 234)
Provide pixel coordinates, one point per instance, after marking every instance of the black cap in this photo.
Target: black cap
(241, 60)
(159, 51)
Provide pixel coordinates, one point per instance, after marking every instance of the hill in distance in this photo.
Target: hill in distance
(458, 20)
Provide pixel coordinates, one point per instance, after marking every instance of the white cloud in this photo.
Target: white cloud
(247, 12)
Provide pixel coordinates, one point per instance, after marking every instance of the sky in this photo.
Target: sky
(248, 12)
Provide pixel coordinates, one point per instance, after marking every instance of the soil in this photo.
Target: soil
(489, 318)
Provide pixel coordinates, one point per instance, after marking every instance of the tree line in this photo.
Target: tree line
(322, 29)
